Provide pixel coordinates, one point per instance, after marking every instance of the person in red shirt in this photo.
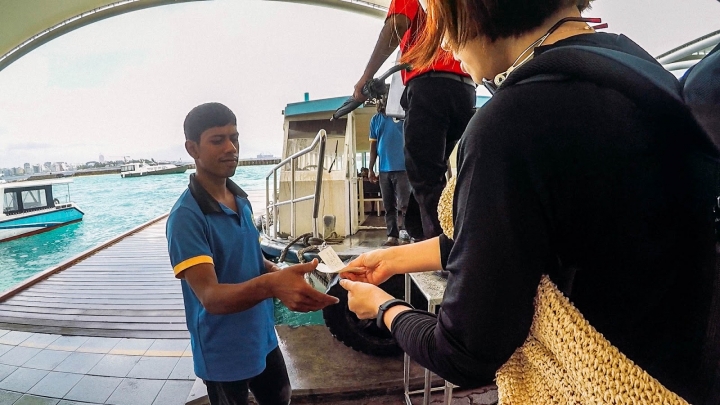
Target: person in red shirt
(438, 103)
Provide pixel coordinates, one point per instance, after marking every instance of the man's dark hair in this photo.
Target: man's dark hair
(206, 116)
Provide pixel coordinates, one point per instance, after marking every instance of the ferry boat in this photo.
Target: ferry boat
(147, 169)
(31, 207)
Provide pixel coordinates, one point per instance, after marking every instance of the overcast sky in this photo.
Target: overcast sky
(122, 86)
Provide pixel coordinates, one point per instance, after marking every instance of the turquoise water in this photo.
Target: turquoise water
(112, 206)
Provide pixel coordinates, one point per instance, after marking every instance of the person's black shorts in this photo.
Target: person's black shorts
(271, 387)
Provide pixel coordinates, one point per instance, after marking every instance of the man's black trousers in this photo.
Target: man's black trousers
(437, 110)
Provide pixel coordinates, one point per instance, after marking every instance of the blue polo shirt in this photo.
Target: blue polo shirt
(200, 230)
(389, 135)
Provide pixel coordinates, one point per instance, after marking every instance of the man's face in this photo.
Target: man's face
(217, 151)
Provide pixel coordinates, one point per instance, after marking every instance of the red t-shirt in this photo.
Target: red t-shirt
(411, 9)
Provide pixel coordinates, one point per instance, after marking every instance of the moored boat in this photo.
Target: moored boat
(32, 207)
(146, 169)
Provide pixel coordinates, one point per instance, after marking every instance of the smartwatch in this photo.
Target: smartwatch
(387, 305)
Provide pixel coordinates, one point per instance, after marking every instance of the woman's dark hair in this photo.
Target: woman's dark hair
(459, 21)
(205, 116)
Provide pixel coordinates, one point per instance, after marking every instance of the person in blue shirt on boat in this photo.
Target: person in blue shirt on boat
(386, 141)
(227, 284)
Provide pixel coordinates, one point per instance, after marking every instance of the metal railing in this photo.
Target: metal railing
(272, 207)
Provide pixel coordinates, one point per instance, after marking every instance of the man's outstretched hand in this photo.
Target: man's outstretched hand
(290, 287)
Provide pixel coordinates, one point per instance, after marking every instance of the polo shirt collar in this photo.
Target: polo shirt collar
(207, 203)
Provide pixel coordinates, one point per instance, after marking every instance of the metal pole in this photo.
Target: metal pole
(275, 210)
(267, 206)
(318, 180)
(293, 225)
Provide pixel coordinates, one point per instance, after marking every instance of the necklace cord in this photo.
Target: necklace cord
(500, 78)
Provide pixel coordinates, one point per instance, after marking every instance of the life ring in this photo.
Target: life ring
(56, 201)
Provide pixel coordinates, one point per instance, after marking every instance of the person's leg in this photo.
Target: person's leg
(388, 196)
(413, 220)
(227, 392)
(402, 192)
(431, 131)
(272, 386)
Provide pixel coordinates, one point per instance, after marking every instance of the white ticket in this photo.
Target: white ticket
(331, 261)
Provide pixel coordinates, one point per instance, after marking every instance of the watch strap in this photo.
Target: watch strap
(385, 306)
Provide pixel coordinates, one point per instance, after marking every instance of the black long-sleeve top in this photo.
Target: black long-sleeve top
(565, 178)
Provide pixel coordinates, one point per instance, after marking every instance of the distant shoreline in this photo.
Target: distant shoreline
(116, 169)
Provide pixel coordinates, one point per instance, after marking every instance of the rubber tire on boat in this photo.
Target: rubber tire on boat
(361, 335)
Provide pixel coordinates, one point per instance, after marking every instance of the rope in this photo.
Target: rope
(287, 247)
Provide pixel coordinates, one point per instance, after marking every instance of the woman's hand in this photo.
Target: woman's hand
(364, 299)
(373, 267)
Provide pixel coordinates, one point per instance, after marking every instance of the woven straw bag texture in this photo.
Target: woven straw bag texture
(445, 208)
(564, 360)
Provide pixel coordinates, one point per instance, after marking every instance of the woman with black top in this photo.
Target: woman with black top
(559, 176)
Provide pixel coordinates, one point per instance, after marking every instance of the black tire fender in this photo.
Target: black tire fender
(358, 334)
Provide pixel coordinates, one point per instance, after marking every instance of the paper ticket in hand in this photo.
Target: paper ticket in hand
(331, 261)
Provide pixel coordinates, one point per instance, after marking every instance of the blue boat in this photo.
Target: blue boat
(30, 207)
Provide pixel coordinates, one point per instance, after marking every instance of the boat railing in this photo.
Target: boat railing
(272, 205)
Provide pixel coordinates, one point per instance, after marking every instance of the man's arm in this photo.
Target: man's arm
(373, 157)
(287, 284)
(392, 32)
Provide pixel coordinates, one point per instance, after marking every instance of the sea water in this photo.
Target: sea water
(113, 205)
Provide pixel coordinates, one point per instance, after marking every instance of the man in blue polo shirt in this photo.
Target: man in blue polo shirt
(227, 284)
(386, 141)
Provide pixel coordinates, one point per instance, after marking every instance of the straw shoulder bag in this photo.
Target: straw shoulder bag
(564, 360)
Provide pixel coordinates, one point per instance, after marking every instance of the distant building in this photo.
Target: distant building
(37, 168)
(47, 167)
(27, 167)
(18, 171)
(101, 159)
(264, 156)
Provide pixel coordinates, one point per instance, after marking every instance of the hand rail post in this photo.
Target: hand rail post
(318, 183)
(293, 225)
(275, 209)
(267, 205)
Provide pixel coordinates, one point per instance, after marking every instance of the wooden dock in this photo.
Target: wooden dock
(125, 290)
(123, 308)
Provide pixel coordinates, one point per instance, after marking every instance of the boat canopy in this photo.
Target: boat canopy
(33, 183)
(27, 24)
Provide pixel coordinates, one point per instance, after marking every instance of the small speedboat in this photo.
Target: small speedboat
(31, 207)
(147, 169)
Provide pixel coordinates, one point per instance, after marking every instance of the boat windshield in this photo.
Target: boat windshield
(27, 199)
(10, 203)
(127, 168)
(301, 135)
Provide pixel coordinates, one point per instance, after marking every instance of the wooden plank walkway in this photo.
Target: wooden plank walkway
(124, 290)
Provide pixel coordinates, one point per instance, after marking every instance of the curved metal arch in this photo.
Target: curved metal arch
(28, 24)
